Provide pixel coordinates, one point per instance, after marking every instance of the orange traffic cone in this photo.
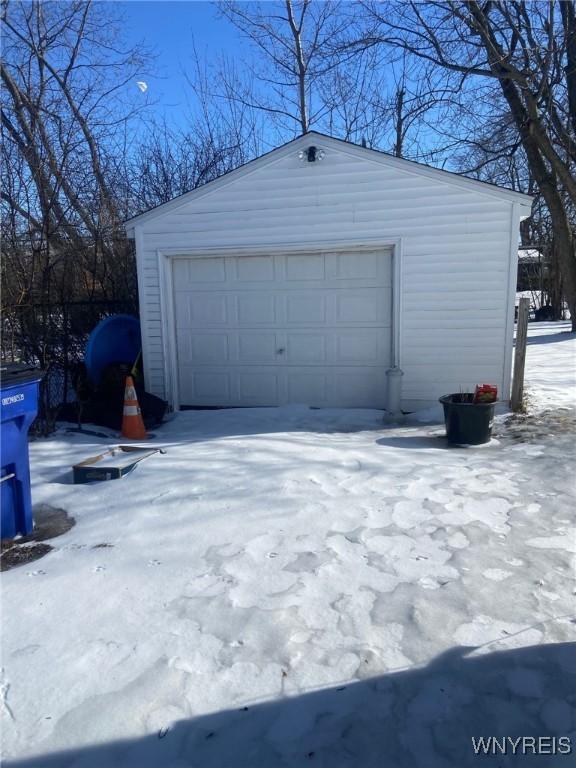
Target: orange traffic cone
(132, 424)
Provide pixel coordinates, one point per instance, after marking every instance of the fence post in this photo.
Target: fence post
(517, 398)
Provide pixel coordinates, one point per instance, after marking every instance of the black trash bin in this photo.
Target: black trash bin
(467, 422)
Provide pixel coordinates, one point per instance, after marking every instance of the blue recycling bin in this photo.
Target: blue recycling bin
(19, 386)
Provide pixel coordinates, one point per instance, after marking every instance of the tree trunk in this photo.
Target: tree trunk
(566, 257)
(301, 63)
(546, 166)
(569, 20)
(548, 185)
(399, 117)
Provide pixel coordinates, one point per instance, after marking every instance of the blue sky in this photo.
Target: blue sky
(169, 26)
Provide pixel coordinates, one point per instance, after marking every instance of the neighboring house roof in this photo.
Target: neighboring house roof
(529, 255)
(365, 153)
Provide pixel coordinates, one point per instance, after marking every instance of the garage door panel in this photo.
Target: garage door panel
(309, 387)
(362, 346)
(204, 349)
(354, 308)
(201, 310)
(273, 329)
(258, 347)
(306, 308)
(204, 271)
(255, 269)
(256, 309)
(205, 387)
(180, 269)
(306, 267)
(258, 387)
(356, 390)
(319, 387)
(306, 348)
(368, 267)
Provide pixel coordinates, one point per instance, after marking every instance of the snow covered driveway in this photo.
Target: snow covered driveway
(288, 587)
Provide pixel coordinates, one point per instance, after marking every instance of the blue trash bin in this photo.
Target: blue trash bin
(19, 386)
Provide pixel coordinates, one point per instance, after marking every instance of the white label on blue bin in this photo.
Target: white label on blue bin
(13, 399)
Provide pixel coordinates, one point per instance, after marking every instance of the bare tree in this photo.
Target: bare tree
(524, 51)
(65, 104)
(68, 102)
(80, 156)
(304, 74)
(221, 134)
(354, 95)
(294, 41)
(171, 161)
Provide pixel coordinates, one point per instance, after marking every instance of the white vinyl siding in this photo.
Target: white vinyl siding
(455, 241)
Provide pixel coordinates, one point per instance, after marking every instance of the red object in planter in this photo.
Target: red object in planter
(486, 393)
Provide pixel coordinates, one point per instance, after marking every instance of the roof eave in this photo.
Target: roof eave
(446, 177)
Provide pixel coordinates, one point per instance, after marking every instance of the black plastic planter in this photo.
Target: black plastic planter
(467, 423)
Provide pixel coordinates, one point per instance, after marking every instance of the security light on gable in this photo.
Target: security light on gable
(311, 154)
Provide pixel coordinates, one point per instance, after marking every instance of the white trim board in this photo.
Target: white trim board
(515, 217)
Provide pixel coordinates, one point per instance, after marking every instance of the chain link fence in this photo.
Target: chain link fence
(53, 336)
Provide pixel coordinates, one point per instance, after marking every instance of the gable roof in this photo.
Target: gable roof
(365, 153)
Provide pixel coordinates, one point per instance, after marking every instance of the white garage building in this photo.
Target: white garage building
(328, 274)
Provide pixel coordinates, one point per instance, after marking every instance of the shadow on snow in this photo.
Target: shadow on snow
(424, 717)
(551, 338)
(417, 441)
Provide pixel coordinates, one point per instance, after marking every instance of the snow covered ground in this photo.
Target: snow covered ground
(288, 587)
(550, 380)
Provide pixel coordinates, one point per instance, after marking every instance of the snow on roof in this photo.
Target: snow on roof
(529, 254)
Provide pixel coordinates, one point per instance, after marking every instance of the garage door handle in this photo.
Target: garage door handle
(280, 351)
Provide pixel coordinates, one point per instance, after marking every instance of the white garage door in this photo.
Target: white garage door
(311, 328)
